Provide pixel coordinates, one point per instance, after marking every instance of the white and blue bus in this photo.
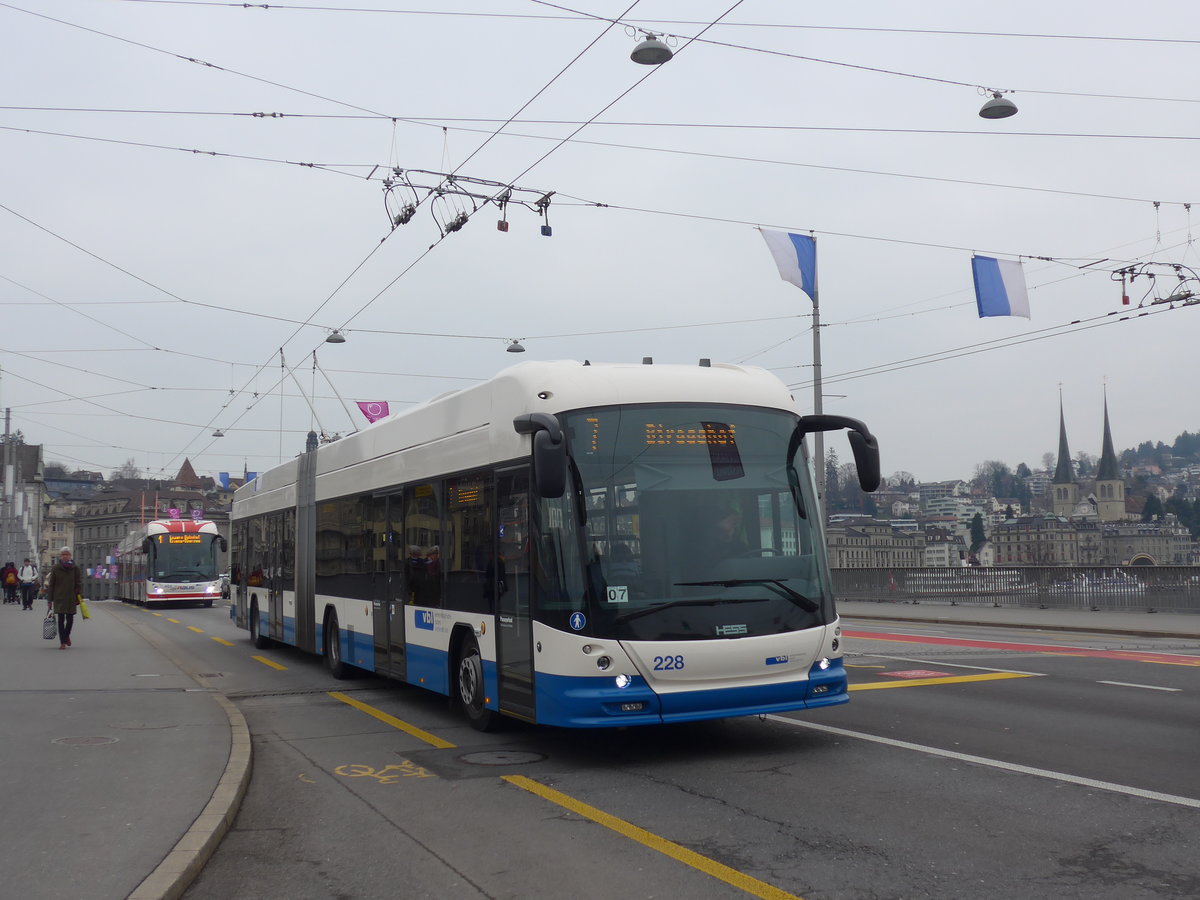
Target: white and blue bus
(569, 544)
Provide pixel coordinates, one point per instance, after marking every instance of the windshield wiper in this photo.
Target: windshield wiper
(805, 603)
(682, 601)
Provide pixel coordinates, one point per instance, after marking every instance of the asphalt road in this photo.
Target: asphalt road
(971, 763)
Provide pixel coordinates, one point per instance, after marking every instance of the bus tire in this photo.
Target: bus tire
(333, 648)
(260, 640)
(208, 604)
(470, 687)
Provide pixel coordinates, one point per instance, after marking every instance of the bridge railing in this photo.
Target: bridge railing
(1144, 588)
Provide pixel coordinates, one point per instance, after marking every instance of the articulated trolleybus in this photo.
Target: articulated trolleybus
(569, 544)
(170, 562)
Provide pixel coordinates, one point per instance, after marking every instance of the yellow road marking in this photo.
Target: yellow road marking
(160, 615)
(919, 682)
(270, 662)
(431, 739)
(688, 857)
(176, 621)
(388, 774)
(195, 629)
(223, 641)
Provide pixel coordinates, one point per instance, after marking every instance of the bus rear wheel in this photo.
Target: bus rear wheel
(260, 640)
(333, 648)
(470, 687)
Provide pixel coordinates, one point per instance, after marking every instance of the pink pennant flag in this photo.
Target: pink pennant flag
(373, 409)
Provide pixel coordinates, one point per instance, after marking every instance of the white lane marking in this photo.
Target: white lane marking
(996, 763)
(1148, 687)
(952, 665)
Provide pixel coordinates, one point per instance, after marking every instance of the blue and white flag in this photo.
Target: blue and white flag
(999, 287)
(796, 257)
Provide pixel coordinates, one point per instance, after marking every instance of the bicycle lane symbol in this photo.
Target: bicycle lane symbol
(389, 774)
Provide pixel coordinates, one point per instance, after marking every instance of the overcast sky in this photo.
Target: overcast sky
(163, 241)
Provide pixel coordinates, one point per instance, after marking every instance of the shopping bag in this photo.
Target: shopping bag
(83, 610)
(49, 628)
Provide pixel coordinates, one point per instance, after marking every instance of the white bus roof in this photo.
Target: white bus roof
(473, 427)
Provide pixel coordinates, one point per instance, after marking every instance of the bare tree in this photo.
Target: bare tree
(1048, 461)
(1085, 464)
(129, 469)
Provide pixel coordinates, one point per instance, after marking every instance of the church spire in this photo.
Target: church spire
(1108, 470)
(1065, 472)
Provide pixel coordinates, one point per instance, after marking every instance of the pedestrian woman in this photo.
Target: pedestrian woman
(64, 588)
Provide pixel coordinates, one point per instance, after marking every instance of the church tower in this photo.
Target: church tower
(1065, 490)
(1110, 486)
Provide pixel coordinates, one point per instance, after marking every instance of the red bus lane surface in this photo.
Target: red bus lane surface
(1170, 659)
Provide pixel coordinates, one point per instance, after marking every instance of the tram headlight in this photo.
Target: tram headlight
(623, 680)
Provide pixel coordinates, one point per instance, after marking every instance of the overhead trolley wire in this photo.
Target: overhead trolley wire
(293, 7)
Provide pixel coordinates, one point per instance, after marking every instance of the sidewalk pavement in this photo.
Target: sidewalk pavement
(120, 772)
(1108, 622)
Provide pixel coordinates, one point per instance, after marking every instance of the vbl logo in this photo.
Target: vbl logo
(423, 618)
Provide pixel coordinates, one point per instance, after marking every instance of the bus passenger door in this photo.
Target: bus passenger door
(387, 602)
(396, 590)
(274, 580)
(514, 623)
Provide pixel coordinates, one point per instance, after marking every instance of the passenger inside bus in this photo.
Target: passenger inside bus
(725, 536)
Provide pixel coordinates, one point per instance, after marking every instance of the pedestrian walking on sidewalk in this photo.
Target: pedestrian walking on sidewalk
(28, 576)
(10, 580)
(64, 590)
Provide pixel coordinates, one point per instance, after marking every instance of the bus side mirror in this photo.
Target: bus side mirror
(549, 452)
(866, 459)
(862, 443)
(146, 544)
(222, 543)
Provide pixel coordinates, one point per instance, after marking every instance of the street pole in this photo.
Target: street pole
(9, 505)
(818, 402)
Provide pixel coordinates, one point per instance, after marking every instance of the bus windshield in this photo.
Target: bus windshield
(180, 558)
(700, 524)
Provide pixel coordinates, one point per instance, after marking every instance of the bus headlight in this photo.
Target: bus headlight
(823, 664)
(158, 590)
(211, 589)
(623, 681)
(603, 662)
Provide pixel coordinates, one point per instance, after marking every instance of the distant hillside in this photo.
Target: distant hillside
(1184, 451)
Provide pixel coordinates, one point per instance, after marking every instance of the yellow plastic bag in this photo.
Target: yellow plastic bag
(83, 609)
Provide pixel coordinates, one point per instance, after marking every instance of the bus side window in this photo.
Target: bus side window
(423, 536)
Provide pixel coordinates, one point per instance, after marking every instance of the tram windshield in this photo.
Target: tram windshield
(700, 523)
(184, 557)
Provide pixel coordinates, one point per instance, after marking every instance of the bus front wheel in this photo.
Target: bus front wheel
(470, 687)
(333, 648)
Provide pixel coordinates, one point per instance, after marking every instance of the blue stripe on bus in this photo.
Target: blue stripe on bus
(427, 668)
(595, 701)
